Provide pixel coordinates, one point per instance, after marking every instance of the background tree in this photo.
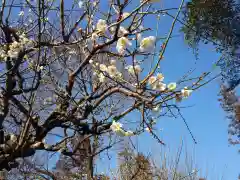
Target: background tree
(217, 22)
(74, 70)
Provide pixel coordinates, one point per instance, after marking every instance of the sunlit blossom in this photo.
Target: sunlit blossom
(117, 128)
(172, 86)
(125, 14)
(129, 133)
(186, 92)
(122, 31)
(112, 70)
(159, 86)
(160, 77)
(102, 25)
(80, 4)
(101, 77)
(103, 67)
(156, 109)
(152, 80)
(122, 43)
(147, 44)
(134, 69)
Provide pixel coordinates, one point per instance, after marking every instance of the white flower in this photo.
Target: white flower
(102, 25)
(39, 68)
(90, 61)
(80, 4)
(129, 133)
(125, 14)
(112, 29)
(156, 109)
(160, 77)
(101, 77)
(13, 54)
(147, 44)
(152, 80)
(21, 13)
(159, 86)
(116, 126)
(122, 31)
(118, 75)
(147, 129)
(130, 69)
(186, 92)
(122, 43)
(112, 70)
(172, 86)
(137, 68)
(103, 67)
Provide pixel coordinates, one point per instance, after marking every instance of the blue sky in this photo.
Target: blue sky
(207, 121)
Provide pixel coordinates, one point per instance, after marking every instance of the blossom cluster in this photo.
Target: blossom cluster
(117, 128)
(16, 47)
(146, 44)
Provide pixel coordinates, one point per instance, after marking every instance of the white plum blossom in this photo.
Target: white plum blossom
(16, 47)
(102, 25)
(125, 14)
(156, 109)
(147, 44)
(39, 68)
(122, 31)
(186, 92)
(172, 86)
(152, 80)
(156, 82)
(103, 67)
(134, 69)
(129, 133)
(160, 77)
(112, 70)
(122, 43)
(147, 129)
(101, 77)
(159, 86)
(80, 4)
(117, 128)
